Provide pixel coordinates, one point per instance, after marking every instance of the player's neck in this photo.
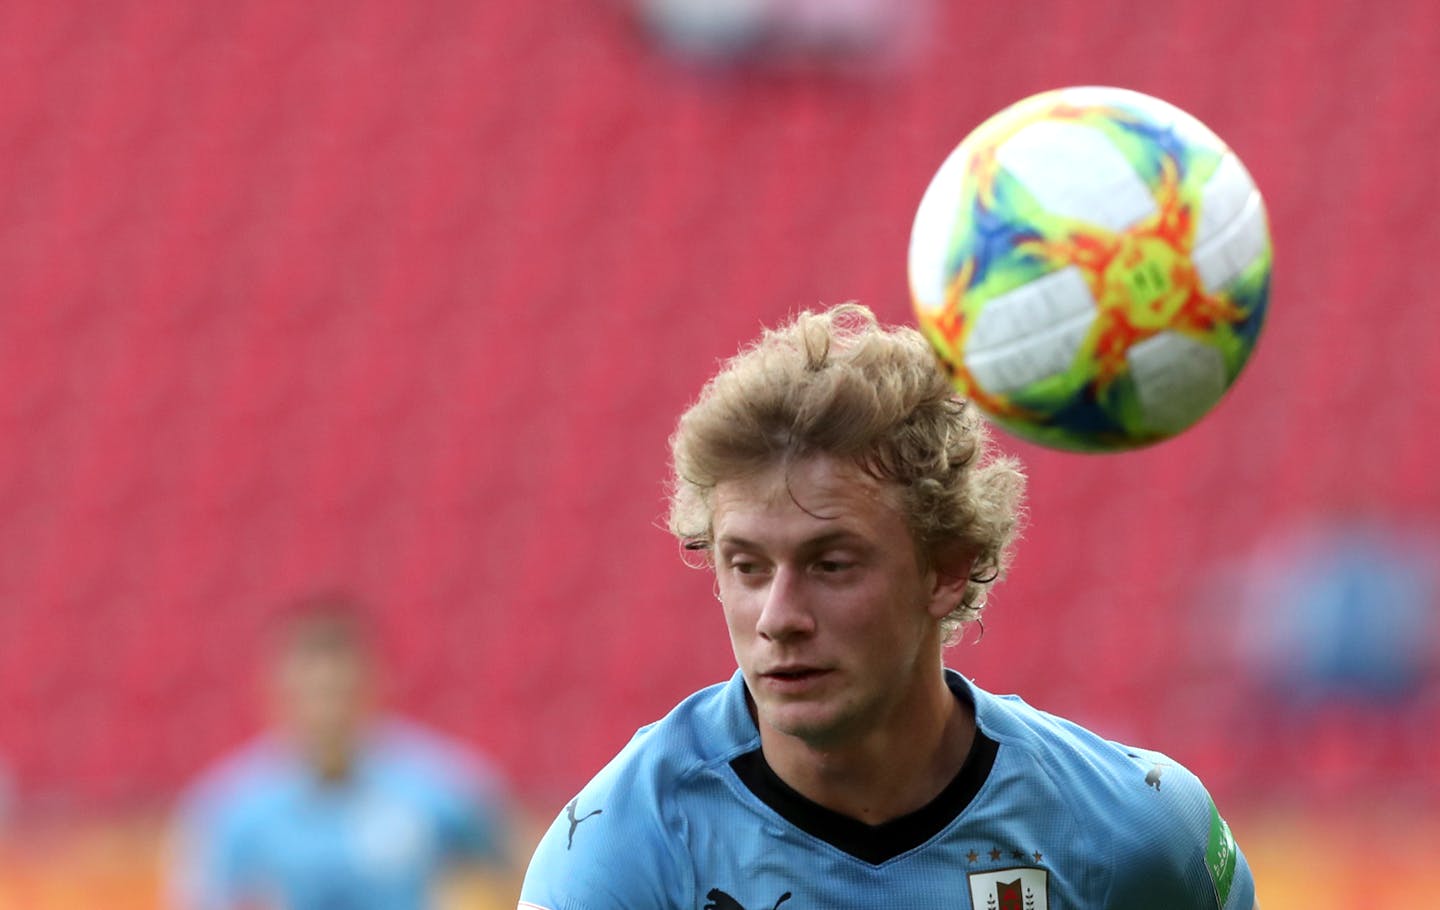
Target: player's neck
(330, 762)
(886, 772)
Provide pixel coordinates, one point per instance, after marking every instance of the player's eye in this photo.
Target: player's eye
(741, 566)
(832, 566)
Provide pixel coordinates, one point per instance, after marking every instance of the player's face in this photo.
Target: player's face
(833, 619)
(322, 701)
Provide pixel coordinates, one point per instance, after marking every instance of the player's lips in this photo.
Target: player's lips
(793, 676)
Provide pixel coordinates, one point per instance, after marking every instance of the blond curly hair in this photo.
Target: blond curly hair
(836, 382)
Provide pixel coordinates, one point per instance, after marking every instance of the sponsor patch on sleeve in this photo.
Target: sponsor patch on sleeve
(1220, 857)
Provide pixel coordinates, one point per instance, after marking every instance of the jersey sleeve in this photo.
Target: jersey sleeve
(615, 846)
(1179, 853)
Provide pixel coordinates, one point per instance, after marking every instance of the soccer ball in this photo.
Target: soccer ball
(1092, 266)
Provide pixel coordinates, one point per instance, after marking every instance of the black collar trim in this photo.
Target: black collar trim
(873, 844)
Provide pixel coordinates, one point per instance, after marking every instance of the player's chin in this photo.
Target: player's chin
(811, 724)
(806, 718)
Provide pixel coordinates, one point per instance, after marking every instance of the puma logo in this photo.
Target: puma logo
(1153, 778)
(719, 900)
(575, 822)
(1157, 770)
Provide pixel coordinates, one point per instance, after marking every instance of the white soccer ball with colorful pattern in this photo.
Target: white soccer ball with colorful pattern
(1092, 266)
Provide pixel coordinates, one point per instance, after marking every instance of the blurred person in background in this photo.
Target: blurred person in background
(338, 807)
(1341, 611)
(849, 37)
(854, 515)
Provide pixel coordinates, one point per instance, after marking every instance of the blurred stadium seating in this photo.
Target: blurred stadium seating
(406, 298)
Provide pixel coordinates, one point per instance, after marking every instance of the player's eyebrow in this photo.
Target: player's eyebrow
(809, 544)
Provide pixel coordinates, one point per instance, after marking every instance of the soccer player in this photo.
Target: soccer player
(337, 806)
(854, 516)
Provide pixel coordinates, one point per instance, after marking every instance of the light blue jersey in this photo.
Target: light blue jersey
(1044, 815)
(263, 831)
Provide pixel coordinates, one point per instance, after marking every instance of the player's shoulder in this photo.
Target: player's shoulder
(404, 747)
(1077, 760)
(1154, 817)
(622, 840)
(245, 782)
(705, 730)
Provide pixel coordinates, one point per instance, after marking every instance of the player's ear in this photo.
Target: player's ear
(950, 565)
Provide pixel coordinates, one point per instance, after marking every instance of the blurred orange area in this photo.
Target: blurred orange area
(1308, 860)
(113, 864)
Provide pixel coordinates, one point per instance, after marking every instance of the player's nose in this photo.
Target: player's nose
(785, 612)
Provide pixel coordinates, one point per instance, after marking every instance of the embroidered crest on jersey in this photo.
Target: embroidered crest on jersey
(1022, 888)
